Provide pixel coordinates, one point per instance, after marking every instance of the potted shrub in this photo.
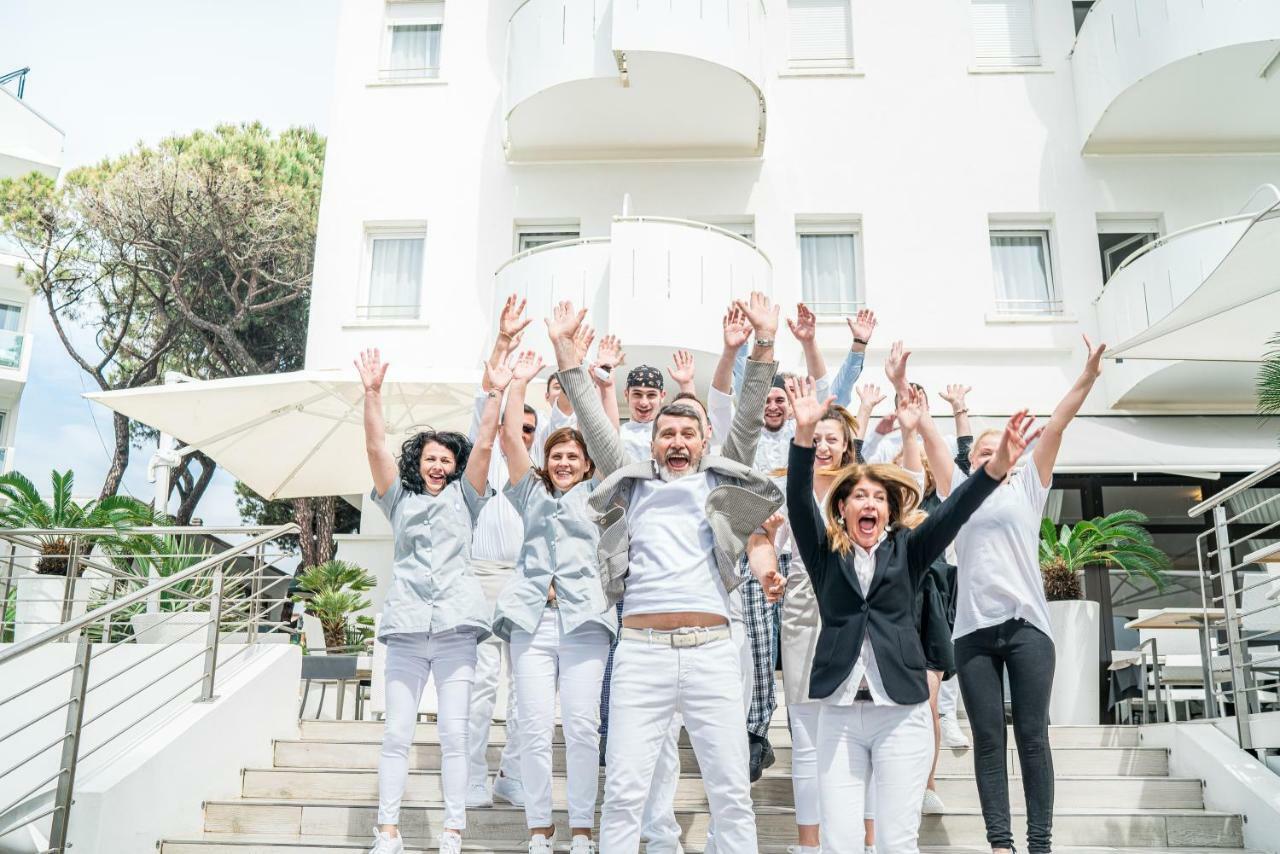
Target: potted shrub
(40, 596)
(1118, 539)
(337, 590)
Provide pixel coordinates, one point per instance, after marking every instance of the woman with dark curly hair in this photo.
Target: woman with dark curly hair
(435, 611)
(555, 615)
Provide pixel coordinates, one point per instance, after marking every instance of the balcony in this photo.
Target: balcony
(1180, 76)
(599, 80)
(11, 349)
(658, 284)
(1188, 316)
(28, 141)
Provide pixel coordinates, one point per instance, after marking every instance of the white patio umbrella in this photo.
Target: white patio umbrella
(296, 434)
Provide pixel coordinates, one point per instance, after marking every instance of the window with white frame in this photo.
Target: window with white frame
(411, 41)
(10, 336)
(1119, 239)
(1004, 33)
(820, 34)
(1022, 268)
(829, 268)
(393, 290)
(533, 236)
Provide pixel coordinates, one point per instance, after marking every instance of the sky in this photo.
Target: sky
(111, 75)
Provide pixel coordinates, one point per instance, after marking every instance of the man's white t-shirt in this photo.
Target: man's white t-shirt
(998, 556)
(637, 440)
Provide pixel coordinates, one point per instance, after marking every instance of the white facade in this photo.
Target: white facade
(28, 143)
(939, 135)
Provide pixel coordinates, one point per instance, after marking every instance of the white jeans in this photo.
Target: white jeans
(575, 662)
(492, 657)
(898, 742)
(651, 684)
(948, 696)
(411, 659)
(804, 766)
(661, 831)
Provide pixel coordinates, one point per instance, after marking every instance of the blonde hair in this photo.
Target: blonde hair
(902, 490)
(977, 441)
(848, 426)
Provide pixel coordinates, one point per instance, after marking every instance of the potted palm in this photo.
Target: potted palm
(1115, 540)
(1269, 379)
(337, 590)
(41, 595)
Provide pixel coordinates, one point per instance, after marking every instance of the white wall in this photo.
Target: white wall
(923, 151)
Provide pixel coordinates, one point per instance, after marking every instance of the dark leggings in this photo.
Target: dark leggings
(982, 657)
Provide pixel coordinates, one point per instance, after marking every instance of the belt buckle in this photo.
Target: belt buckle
(682, 640)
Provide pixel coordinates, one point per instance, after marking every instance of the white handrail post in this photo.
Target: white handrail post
(1240, 694)
(63, 797)
(211, 651)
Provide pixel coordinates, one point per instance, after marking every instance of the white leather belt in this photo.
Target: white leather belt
(678, 638)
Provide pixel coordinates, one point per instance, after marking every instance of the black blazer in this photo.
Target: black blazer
(889, 610)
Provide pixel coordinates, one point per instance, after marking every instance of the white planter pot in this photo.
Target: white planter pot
(1075, 675)
(170, 627)
(39, 605)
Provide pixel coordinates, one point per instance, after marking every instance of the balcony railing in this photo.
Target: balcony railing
(11, 349)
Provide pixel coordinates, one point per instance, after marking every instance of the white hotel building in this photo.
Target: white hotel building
(976, 171)
(28, 143)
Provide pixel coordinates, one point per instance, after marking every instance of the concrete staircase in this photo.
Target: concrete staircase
(320, 797)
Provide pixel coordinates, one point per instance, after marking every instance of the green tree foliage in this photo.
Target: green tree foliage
(1269, 379)
(1117, 539)
(309, 513)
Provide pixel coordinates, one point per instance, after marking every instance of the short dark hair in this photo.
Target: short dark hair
(529, 410)
(688, 395)
(897, 398)
(411, 457)
(678, 410)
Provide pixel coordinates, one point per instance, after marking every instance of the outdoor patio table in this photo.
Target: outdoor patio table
(1188, 618)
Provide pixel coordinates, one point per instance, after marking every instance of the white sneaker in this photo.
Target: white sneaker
(803, 849)
(933, 804)
(952, 735)
(478, 796)
(582, 845)
(870, 849)
(450, 843)
(508, 790)
(539, 844)
(386, 844)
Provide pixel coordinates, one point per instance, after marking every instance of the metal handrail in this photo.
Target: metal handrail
(704, 226)
(19, 74)
(72, 626)
(1235, 489)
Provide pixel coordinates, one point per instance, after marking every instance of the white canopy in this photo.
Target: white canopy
(297, 434)
(1180, 444)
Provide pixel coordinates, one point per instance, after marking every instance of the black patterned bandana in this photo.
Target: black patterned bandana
(645, 377)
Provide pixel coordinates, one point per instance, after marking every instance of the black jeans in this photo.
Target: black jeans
(981, 660)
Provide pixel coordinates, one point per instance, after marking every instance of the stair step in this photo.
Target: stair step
(779, 735)
(425, 755)
(774, 789)
(1080, 827)
(225, 843)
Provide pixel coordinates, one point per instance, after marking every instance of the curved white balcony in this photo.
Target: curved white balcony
(595, 79)
(1189, 316)
(1178, 76)
(656, 283)
(28, 141)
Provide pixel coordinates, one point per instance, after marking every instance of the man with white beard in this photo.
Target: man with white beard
(657, 542)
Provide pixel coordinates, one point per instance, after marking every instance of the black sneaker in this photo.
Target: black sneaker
(762, 756)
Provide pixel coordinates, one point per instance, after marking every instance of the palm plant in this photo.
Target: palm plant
(25, 508)
(1269, 379)
(1117, 539)
(337, 589)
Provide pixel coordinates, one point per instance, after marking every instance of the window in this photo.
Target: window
(1119, 239)
(829, 269)
(742, 227)
(395, 274)
(820, 33)
(1004, 33)
(531, 237)
(10, 337)
(411, 48)
(1022, 267)
(1080, 9)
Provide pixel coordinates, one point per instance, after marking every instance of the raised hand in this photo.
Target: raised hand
(498, 376)
(1093, 362)
(609, 354)
(870, 396)
(761, 313)
(896, 366)
(1017, 435)
(805, 406)
(682, 368)
(736, 328)
(527, 366)
(886, 424)
(911, 408)
(564, 321)
(372, 370)
(862, 324)
(805, 326)
(954, 394)
(582, 339)
(511, 322)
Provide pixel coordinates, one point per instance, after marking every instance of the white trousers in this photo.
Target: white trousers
(492, 657)
(661, 831)
(651, 684)
(574, 663)
(949, 696)
(411, 659)
(804, 766)
(898, 742)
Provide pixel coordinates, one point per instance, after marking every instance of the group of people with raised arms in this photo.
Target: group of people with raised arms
(637, 575)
